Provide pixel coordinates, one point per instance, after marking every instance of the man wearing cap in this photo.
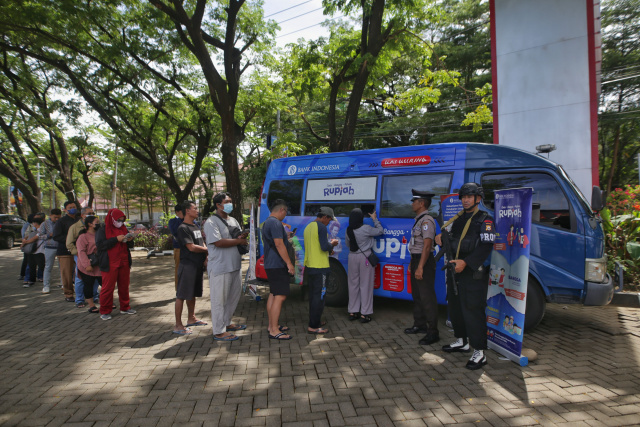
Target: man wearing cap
(317, 248)
(423, 270)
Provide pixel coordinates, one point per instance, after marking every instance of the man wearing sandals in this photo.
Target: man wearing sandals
(224, 267)
(317, 248)
(193, 257)
(278, 267)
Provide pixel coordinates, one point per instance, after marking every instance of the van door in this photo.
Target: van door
(557, 240)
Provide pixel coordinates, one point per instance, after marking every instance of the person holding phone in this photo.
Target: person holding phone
(224, 267)
(114, 242)
(91, 276)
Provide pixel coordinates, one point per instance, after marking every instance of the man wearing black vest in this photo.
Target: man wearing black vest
(473, 235)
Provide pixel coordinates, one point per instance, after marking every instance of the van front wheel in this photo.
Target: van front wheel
(337, 286)
(536, 305)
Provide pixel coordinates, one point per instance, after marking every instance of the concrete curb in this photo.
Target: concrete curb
(626, 299)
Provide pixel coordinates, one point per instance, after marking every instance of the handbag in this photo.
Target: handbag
(235, 232)
(93, 259)
(32, 247)
(372, 258)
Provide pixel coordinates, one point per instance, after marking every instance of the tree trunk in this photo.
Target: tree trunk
(614, 159)
(3, 206)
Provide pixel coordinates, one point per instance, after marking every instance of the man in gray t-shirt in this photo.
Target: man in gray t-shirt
(223, 268)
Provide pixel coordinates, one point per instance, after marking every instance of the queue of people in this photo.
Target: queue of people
(92, 259)
(92, 256)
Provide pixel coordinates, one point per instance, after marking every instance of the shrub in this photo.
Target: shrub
(147, 239)
(621, 222)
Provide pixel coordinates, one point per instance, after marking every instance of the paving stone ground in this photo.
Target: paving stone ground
(60, 365)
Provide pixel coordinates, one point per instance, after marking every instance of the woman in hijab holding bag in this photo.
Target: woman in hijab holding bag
(113, 242)
(359, 239)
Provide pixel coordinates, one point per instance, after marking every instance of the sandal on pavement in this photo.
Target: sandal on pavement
(365, 318)
(236, 328)
(183, 332)
(81, 305)
(226, 338)
(354, 316)
(283, 328)
(70, 299)
(94, 309)
(280, 337)
(318, 331)
(198, 323)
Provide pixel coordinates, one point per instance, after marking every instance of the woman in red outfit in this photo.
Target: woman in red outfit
(113, 242)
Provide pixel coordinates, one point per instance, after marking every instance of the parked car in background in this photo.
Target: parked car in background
(139, 227)
(10, 227)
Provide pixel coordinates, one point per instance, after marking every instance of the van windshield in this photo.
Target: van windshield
(576, 190)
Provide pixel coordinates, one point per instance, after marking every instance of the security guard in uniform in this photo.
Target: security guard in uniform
(473, 235)
(423, 270)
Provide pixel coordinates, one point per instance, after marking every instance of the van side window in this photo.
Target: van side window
(396, 193)
(548, 196)
(289, 190)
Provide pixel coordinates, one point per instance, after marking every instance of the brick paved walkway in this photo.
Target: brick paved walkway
(62, 366)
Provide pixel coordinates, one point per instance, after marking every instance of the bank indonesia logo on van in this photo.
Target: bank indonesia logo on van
(292, 170)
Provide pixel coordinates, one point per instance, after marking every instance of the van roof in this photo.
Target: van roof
(467, 155)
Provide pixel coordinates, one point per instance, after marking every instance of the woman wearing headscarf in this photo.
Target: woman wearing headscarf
(113, 242)
(359, 239)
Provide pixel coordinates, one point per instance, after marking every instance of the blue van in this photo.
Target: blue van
(568, 261)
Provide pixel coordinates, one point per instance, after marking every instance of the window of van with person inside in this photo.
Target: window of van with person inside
(550, 204)
(396, 193)
(289, 190)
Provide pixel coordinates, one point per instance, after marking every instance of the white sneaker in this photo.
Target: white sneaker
(478, 359)
(457, 346)
(105, 317)
(130, 311)
(46, 290)
(27, 285)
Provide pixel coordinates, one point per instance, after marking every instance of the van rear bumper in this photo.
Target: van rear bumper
(599, 293)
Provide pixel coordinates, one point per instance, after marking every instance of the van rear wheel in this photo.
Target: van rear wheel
(337, 286)
(8, 242)
(536, 305)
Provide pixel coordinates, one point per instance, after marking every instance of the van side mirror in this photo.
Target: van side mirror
(597, 199)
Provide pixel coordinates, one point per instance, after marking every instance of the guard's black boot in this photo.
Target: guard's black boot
(459, 345)
(415, 330)
(477, 361)
(429, 339)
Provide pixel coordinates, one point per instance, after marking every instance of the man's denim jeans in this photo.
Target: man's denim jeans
(79, 284)
(49, 261)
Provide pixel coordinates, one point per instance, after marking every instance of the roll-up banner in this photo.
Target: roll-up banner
(507, 294)
(250, 278)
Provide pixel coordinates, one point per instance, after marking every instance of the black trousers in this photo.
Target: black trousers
(425, 303)
(89, 281)
(316, 282)
(35, 260)
(23, 267)
(467, 310)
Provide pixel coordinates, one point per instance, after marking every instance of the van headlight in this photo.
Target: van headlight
(595, 270)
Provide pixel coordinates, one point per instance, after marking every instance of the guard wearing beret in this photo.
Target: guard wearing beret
(423, 270)
(473, 235)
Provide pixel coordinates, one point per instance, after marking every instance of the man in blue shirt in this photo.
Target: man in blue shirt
(174, 223)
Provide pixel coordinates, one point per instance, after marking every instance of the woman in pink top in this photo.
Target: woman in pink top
(90, 275)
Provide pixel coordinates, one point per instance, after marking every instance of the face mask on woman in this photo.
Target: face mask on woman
(118, 224)
(228, 207)
(96, 226)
